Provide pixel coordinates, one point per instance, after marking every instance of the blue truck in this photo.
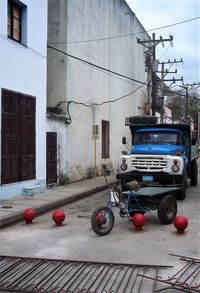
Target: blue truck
(161, 154)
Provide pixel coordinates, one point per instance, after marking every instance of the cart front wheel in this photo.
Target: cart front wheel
(102, 221)
(167, 209)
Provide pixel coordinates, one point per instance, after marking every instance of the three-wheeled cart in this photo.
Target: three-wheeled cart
(131, 202)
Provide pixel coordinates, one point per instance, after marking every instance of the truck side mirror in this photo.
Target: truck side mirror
(123, 140)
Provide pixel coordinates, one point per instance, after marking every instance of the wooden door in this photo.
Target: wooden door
(10, 142)
(18, 137)
(51, 140)
(27, 138)
(105, 139)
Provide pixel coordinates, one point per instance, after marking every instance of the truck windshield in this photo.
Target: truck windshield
(157, 138)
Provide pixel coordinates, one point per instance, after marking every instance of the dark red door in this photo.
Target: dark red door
(51, 157)
(18, 137)
(10, 138)
(105, 139)
(27, 137)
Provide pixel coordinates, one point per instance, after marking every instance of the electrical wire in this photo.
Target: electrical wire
(69, 118)
(22, 46)
(126, 35)
(102, 103)
(26, 47)
(129, 82)
(95, 65)
(164, 52)
(105, 69)
(84, 61)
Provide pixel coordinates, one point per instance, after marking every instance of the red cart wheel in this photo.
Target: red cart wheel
(102, 221)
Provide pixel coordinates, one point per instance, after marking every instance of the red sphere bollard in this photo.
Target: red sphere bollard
(58, 217)
(29, 215)
(180, 223)
(138, 221)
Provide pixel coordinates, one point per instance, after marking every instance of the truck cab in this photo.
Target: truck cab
(160, 155)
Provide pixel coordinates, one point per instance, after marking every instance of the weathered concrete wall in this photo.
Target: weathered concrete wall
(104, 33)
(57, 65)
(23, 69)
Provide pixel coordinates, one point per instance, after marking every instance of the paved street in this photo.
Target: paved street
(76, 240)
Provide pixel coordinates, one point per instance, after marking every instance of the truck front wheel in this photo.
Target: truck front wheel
(180, 194)
(167, 209)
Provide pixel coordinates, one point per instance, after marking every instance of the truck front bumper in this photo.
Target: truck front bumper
(162, 178)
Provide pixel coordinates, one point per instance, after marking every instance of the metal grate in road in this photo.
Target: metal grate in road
(187, 279)
(48, 275)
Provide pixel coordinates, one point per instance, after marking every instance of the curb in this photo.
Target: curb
(17, 217)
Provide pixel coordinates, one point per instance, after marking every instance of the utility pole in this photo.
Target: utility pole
(162, 87)
(188, 87)
(186, 101)
(198, 127)
(167, 71)
(163, 75)
(186, 105)
(151, 46)
(148, 63)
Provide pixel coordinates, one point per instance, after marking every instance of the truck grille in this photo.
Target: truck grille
(148, 164)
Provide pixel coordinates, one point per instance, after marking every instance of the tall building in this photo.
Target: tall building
(96, 71)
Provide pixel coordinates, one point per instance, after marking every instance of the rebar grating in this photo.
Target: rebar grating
(187, 279)
(53, 276)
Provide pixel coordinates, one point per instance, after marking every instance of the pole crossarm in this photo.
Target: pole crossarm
(155, 42)
(166, 71)
(174, 79)
(172, 62)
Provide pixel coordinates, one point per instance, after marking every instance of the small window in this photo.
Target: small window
(14, 21)
(17, 21)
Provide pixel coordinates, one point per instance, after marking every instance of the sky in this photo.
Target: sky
(186, 36)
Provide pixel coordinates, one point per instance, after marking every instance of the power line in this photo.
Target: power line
(102, 103)
(69, 118)
(174, 24)
(126, 35)
(106, 70)
(95, 65)
(21, 46)
(164, 52)
(122, 79)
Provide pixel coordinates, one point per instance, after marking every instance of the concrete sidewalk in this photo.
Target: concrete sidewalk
(11, 210)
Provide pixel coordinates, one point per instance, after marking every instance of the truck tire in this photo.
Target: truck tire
(194, 173)
(180, 194)
(167, 209)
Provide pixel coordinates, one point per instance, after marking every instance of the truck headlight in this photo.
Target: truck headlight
(175, 167)
(123, 166)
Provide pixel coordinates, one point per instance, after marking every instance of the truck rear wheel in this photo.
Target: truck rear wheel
(194, 173)
(167, 209)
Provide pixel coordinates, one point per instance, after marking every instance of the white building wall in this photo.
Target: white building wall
(80, 82)
(23, 69)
